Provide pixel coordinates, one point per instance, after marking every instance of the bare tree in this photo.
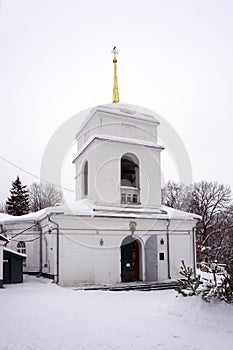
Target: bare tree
(2, 208)
(212, 201)
(43, 195)
(175, 195)
(218, 244)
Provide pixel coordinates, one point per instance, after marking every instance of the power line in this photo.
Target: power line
(20, 233)
(33, 175)
(27, 241)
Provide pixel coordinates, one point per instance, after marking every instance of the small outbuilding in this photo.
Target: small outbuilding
(12, 266)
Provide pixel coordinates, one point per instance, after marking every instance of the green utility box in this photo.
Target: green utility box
(12, 266)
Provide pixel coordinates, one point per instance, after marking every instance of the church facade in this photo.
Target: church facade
(116, 230)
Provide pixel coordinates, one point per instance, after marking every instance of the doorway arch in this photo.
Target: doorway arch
(130, 259)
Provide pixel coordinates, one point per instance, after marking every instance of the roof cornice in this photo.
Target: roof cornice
(117, 139)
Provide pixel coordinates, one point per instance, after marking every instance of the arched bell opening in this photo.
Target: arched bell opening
(130, 184)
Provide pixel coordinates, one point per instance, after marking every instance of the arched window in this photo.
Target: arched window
(85, 179)
(21, 247)
(129, 179)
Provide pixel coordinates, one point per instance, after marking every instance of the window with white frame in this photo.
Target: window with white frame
(21, 247)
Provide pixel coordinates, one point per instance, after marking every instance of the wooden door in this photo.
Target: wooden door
(135, 261)
(129, 260)
(126, 261)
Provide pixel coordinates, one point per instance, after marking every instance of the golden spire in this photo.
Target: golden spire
(115, 96)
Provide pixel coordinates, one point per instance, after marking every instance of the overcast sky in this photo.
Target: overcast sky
(175, 59)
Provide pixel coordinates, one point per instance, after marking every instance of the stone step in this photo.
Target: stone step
(141, 286)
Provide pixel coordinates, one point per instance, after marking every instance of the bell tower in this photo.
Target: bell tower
(118, 158)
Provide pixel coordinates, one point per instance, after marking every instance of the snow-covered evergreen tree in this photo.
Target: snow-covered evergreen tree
(188, 285)
(18, 202)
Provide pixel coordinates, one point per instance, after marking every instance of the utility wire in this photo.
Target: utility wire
(33, 175)
(85, 245)
(29, 240)
(20, 233)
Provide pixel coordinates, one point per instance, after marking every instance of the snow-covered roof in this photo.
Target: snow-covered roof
(179, 214)
(117, 139)
(161, 212)
(128, 110)
(4, 216)
(81, 207)
(14, 252)
(123, 110)
(31, 217)
(86, 207)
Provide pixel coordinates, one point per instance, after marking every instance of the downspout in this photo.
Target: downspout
(40, 232)
(194, 252)
(168, 250)
(57, 229)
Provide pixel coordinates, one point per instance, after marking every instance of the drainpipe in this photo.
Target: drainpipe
(57, 229)
(194, 252)
(168, 250)
(40, 233)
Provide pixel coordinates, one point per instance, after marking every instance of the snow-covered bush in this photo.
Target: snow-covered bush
(188, 285)
(221, 289)
(218, 287)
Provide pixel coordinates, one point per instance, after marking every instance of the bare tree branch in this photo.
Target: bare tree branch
(42, 195)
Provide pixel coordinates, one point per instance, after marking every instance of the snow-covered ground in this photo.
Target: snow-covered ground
(38, 315)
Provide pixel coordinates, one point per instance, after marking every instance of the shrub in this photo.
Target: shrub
(188, 285)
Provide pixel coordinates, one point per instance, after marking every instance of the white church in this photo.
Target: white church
(116, 230)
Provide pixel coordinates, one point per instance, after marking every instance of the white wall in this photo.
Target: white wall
(162, 264)
(103, 123)
(181, 248)
(104, 161)
(84, 260)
